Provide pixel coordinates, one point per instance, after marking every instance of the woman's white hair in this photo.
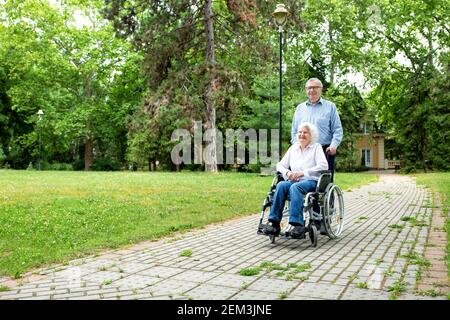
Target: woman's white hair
(312, 131)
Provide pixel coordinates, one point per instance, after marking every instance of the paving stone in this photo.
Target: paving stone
(136, 281)
(409, 296)
(272, 285)
(364, 294)
(130, 267)
(195, 276)
(172, 286)
(211, 292)
(302, 298)
(231, 280)
(256, 295)
(161, 271)
(329, 277)
(101, 277)
(318, 290)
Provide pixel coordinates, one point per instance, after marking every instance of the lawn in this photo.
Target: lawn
(54, 216)
(440, 183)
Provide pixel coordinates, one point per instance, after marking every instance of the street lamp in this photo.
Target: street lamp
(40, 114)
(280, 15)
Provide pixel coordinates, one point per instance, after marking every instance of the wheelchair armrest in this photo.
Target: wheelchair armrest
(279, 176)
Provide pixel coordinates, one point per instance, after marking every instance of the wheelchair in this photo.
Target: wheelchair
(327, 197)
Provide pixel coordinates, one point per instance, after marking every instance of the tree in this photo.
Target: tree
(411, 40)
(67, 68)
(189, 47)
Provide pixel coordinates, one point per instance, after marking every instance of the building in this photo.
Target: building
(369, 149)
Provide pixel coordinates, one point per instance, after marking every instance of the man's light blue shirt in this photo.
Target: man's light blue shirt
(324, 116)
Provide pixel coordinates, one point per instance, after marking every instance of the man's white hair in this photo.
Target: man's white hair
(314, 79)
(312, 131)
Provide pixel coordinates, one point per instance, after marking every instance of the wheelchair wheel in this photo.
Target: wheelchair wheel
(334, 212)
(313, 235)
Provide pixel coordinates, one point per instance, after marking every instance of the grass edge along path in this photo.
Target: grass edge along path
(51, 217)
(439, 182)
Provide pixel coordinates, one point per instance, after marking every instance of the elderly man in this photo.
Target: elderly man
(323, 114)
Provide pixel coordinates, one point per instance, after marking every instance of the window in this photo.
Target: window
(365, 158)
(365, 128)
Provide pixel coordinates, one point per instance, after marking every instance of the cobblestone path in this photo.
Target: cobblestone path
(378, 256)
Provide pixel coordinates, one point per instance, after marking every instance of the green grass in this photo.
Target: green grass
(349, 181)
(396, 289)
(249, 271)
(396, 226)
(54, 216)
(186, 253)
(440, 183)
(291, 270)
(416, 259)
(4, 288)
(362, 285)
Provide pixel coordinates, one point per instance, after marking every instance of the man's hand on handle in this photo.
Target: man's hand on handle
(331, 151)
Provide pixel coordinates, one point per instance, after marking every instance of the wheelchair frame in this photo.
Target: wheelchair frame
(330, 200)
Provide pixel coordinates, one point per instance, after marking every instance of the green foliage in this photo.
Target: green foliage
(362, 285)
(4, 288)
(352, 109)
(186, 253)
(78, 75)
(2, 157)
(249, 272)
(78, 164)
(131, 72)
(396, 289)
(411, 98)
(105, 164)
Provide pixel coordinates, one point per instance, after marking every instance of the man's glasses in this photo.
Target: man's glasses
(312, 88)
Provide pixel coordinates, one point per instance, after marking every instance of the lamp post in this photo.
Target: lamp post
(280, 15)
(40, 114)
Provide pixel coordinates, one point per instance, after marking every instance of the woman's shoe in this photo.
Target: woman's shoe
(272, 229)
(298, 232)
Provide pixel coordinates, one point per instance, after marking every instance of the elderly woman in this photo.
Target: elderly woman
(300, 168)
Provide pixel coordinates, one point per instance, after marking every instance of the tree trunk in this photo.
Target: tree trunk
(89, 149)
(210, 148)
(332, 67)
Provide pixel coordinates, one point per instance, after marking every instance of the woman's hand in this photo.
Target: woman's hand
(294, 176)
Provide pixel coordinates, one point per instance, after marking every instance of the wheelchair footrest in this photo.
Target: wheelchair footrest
(261, 228)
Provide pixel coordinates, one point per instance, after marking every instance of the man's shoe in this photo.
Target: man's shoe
(298, 232)
(272, 229)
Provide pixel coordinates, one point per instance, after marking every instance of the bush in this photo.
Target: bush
(252, 168)
(105, 164)
(18, 157)
(352, 169)
(408, 169)
(78, 165)
(57, 166)
(2, 156)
